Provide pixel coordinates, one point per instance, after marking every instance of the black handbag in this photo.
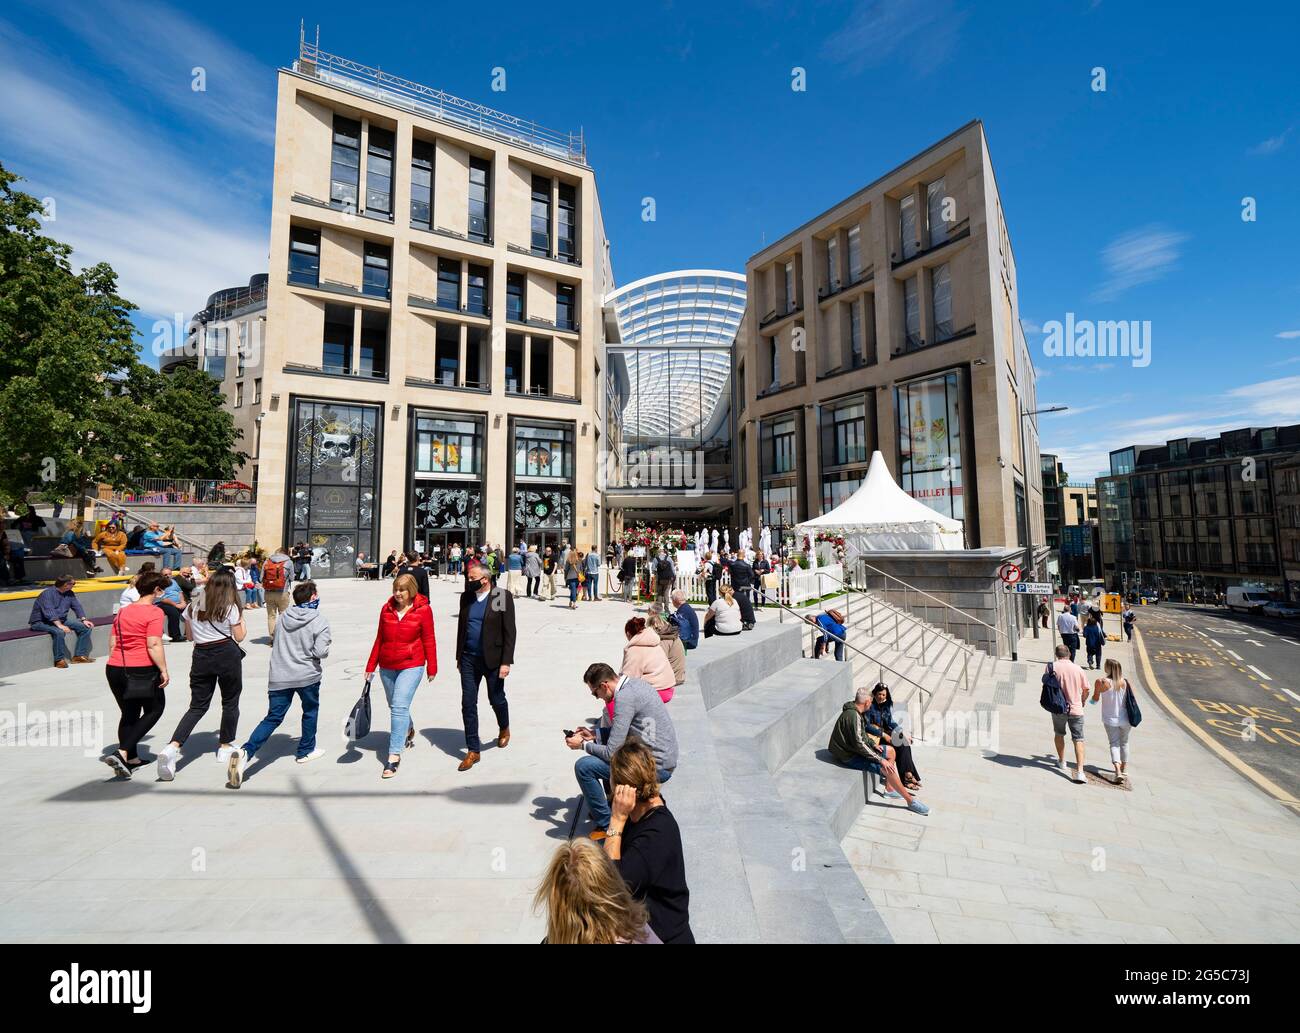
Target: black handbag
(358, 722)
(140, 686)
(1131, 708)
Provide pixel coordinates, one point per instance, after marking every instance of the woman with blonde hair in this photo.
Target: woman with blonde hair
(723, 615)
(587, 901)
(404, 644)
(1114, 691)
(670, 641)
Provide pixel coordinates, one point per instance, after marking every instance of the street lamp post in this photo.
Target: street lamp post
(1030, 565)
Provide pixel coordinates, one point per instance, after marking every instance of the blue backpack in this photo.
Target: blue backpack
(1053, 697)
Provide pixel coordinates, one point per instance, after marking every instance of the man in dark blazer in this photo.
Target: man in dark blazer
(742, 580)
(485, 649)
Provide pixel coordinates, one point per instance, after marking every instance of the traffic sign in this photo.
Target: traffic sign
(1010, 573)
(1030, 588)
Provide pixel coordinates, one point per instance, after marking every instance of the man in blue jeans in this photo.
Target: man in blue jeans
(638, 711)
(485, 650)
(302, 641)
(49, 614)
(151, 542)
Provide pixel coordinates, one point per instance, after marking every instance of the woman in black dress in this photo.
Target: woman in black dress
(881, 714)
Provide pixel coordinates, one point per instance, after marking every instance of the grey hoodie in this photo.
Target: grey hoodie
(302, 641)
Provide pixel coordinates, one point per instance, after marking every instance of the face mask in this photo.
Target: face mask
(311, 604)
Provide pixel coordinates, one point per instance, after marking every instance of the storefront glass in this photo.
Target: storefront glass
(929, 442)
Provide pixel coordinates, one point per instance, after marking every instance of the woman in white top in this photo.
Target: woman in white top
(1112, 691)
(214, 623)
(723, 616)
(131, 594)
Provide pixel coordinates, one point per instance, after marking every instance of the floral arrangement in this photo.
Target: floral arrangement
(835, 541)
(656, 538)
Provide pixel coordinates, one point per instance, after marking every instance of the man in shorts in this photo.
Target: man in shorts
(1075, 686)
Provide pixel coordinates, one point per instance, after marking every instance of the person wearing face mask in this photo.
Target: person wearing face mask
(485, 650)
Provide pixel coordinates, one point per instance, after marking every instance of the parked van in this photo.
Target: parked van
(1248, 600)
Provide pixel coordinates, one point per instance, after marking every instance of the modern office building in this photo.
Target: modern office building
(1196, 515)
(668, 384)
(891, 322)
(431, 366)
(1286, 483)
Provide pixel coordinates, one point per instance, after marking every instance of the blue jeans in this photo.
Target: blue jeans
(862, 764)
(824, 643)
(399, 688)
(170, 557)
(573, 591)
(591, 772)
(281, 700)
(474, 669)
(60, 645)
(592, 584)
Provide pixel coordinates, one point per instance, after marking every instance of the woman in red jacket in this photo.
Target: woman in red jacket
(403, 644)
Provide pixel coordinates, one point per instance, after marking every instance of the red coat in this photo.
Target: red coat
(404, 643)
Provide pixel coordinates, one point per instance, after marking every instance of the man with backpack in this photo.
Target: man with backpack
(277, 582)
(1129, 618)
(1064, 689)
(665, 575)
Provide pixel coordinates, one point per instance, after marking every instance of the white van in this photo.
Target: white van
(1249, 600)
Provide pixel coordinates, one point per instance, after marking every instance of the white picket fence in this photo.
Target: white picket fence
(797, 589)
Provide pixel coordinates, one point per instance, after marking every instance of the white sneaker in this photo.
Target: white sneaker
(1078, 777)
(1060, 766)
(235, 764)
(317, 752)
(168, 757)
(223, 753)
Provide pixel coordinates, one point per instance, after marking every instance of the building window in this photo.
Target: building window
(447, 445)
(480, 199)
(790, 295)
(214, 348)
(541, 219)
(257, 390)
(543, 451)
(855, 333)
(515, 287)
(374, 344)
(477, 290)
(565, 307)
(374, 274)
(514, 363)
(929, 442)
(934, 199)
(566, 228)
(446, 356)
(476, 357)
(855, 254)
(422, 184)
(345, 162)
(778, 443)
(833, 264)
(539, 366)
(337, 352)
(779, 505)
(239, 395)
(911, 315)
(775, 364)
(379, 171)
(941, 302)
(907, 239)
(304, 256)
(241, 355)
(449, 283)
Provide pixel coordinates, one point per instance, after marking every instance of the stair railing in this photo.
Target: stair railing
(115, 507)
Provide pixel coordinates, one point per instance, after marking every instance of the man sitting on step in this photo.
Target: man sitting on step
(856, 744)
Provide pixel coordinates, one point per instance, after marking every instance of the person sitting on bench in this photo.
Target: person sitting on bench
(49, 614)
(856, 744)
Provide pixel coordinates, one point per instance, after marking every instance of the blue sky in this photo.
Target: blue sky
(1122, 204)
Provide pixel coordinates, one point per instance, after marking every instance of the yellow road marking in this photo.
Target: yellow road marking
(1268, 785)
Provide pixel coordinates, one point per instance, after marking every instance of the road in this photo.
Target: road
(1236, 677)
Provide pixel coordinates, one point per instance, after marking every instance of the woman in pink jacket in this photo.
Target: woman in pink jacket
(644, 658)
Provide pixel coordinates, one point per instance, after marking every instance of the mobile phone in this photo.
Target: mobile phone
(569, 733)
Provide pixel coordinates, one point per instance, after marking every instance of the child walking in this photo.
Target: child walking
(302, 641)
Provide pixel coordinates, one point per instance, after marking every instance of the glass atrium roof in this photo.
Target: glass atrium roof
(700, 307)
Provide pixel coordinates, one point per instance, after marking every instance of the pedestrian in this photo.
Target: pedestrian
(645, 660)
(389, 566)
(453, 560)
(137, 672)
(724, 615)
(548, 574)
(573, 576)
(643, 839)
(533, 572)
(215, 624)
(1068, 625)
(277, 582)
(627, 577)
(217, 557)
(49, 614)
(857, 744)
(586, 900)
(665, 578)
(301, 561)
(1044, 612)
(670, 641)
(255, 580)
(591, 568)
(1113, 690)
(1075, 687)
(762, 567)
(1094, 639)
(833, 630)
(1128, 618)
(296, 655)
(711, 568)
(881, 714)
(131, 593)
(244, 583)
(485, 651)
(514, 572)
(411, 566)
(404, 643)
(742, 581)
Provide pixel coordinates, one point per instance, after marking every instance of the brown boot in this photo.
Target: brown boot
(60, 663)
(470, 760)
(503, 740)
(83, 659)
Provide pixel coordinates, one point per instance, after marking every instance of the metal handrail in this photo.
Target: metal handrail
(198, 545)
(880, 664)
(969, 616)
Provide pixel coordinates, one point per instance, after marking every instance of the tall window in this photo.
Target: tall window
(447, 354)
(515, 286)
(941, 302)
(374, 344)
(444, 444)
(239, 395)
(477, 290)
(564, 307)
(907, 239)
(543, 451)
(514, 363)
(257, 390)
(541, 220)
(566, 226)
(379, 171)
(934, 198)
(480, 198)
(779, 451)
(345, 162)
(539, 366)
(304, 256)
(241, 356)
(855, 333)
(855, 254)
(775, 363)
(449, 283)
(789, 287)
(929, 442)
(911, 314)
(833, 263)
(374, 274)
(336, 356)
(476, 357)
(422, 184)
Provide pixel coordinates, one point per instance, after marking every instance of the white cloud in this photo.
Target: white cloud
(1289, 335)
(1139, 256)
(923, 32)
(1272, 145)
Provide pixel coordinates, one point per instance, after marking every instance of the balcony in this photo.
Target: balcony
(776, 315)
(439, 305)
(519, 249)
(960, 231)
(837, 287)
(306, 369)
(477, 386)
(912, 343)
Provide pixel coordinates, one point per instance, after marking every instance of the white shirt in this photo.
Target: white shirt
(1113, 712)
(211, 631)
(129, 595)
(1067, 624)
(726, 619)
(242, 577)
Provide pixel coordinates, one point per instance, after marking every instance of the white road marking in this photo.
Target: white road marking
(1259, 672)
(1235, 656)
(1254, 643)
(1292, 695)
(1217, 642)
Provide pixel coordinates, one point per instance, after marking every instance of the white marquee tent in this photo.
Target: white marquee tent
(882, 516)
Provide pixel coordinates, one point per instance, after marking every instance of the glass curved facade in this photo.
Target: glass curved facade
(669, 381)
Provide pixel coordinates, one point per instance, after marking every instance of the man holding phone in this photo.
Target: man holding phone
(485, 649)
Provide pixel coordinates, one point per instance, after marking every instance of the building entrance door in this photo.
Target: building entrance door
(542, 539)
(439, 543)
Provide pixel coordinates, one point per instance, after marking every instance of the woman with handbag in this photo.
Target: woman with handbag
(881, 714)
(1119, 713)
(404, 643)
(137, 671)
(214, 622)
(573, 576)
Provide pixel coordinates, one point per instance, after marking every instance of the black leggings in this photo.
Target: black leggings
(138, 715)
(903, 760)
(212, 665)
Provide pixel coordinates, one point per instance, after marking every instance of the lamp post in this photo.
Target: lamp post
(1030, 565)
(780, 559)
